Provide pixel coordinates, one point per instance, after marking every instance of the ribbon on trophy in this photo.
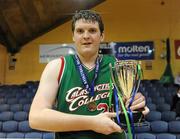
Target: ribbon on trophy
(124, 84)
(134, 90)
(113, 90)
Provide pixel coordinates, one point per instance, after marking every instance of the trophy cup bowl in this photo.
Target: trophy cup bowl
(126, 76)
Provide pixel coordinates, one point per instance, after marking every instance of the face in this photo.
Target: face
(87, 37)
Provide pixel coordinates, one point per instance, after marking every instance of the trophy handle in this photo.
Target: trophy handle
(111, 72)
(112, 75)
(118, 88)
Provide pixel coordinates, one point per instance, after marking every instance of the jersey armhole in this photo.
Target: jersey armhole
(61, 70)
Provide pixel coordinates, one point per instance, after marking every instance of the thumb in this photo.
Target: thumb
(110, 114)
(146, 110)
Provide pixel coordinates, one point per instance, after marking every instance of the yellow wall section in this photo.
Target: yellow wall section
(27, 65)
(131, 21)
(3, 55)
(124, 21)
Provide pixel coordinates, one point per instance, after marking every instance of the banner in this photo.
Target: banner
(134, 50)
(48, 52)
(177, 48)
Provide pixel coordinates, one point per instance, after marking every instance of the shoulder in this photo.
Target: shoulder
(57, 63)
(109, 58)
(54, 64)
(106, 60)
(52, 68)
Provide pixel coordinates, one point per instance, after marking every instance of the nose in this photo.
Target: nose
(86, 35)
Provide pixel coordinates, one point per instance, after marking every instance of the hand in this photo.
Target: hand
(103, 123)
(139, 103)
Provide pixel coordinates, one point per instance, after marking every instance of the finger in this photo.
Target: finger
(117, 128)
(135, 102)
(137, 99)
(137, 95)
(138, 106)
(146, 110)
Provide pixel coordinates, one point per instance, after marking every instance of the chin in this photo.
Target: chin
(87, 52)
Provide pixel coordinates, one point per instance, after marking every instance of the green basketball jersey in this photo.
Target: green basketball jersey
(73, 97)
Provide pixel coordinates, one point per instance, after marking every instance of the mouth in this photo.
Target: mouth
(86, 43)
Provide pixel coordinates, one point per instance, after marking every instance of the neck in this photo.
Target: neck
(88, 61)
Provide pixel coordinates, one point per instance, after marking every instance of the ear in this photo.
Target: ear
(102, 37)
(73, 37)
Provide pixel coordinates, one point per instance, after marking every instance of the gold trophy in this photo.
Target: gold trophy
(125, 76)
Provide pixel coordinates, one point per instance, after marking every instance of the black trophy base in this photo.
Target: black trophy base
(138, 119)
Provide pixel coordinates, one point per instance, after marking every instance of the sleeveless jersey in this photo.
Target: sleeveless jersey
(73, 97)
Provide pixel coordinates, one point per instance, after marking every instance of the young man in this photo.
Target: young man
(80, 84)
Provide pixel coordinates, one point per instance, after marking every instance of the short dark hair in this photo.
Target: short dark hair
(88, 15)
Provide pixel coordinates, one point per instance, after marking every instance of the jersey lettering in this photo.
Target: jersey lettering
(77, 97)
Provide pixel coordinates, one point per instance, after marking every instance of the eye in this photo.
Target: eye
(80, 31)
(92, 30)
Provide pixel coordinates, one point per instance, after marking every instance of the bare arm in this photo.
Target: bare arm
(43, 117)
